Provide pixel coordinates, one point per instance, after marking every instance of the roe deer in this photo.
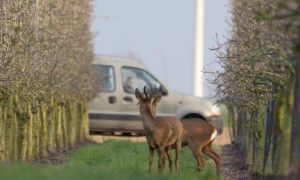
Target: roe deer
(160, 132)
(199, 136)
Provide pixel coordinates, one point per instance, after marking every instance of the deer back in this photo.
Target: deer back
(197, 131)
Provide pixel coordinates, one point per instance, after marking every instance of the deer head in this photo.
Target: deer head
(147, 101)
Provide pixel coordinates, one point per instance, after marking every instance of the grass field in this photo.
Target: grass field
(110, 160)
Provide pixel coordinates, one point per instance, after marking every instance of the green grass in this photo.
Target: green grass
(110, 160)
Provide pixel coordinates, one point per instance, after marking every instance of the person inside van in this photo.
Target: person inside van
(129, 85)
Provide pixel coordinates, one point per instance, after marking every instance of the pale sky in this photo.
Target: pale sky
(159, 33)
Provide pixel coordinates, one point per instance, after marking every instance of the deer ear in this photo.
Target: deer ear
(157, 98)
(138, 94)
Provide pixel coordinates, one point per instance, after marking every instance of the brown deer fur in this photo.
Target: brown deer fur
(161, 132)
(198, 136)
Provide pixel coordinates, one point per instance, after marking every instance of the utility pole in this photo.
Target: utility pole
(199, 53)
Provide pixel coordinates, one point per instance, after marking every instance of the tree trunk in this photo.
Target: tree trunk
(58, 126)
(259, 140)
(36, 133)
(85, 121)
(71, 125)
(295, 138)
(30, 133)
(3, 110)
(231, 123)
(286, 133)
(50, 126)
(9, 130)
(22, 119)
(79, 122)
(43, 131)
(64, 125)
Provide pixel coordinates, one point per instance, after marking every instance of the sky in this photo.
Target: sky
(160, 34)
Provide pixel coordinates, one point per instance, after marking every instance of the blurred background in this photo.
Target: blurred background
(172, 38)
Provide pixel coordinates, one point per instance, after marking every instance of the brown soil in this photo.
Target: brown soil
(223, 139)
(61, 154)
(233, 163)
(233, 160)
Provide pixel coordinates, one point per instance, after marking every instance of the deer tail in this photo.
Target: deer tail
(213, 135)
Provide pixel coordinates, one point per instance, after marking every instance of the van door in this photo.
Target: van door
(104, 108)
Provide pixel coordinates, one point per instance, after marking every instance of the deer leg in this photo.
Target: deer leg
(197, 154)
(161, 160)
(210, 153)
(210, 149)
(169, 154)
(151, 152)
(177, 151)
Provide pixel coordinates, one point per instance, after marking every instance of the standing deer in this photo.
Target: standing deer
(161, 132)
(198, 136)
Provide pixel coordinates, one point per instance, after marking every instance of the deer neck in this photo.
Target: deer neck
(148, 118)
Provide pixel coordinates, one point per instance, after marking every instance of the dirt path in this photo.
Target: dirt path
(233, 163)
(102, 138)
(233, 160)
(223, 139)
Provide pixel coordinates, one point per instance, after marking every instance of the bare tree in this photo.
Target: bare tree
(45, 78)
(258, 80)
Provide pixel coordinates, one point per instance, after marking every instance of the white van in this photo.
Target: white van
(115, 110)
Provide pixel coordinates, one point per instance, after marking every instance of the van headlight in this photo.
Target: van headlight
(216, 110)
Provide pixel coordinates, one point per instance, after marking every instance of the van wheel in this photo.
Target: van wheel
(126, 134)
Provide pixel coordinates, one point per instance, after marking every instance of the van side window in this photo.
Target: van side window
(105, 77)
(133, 78)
